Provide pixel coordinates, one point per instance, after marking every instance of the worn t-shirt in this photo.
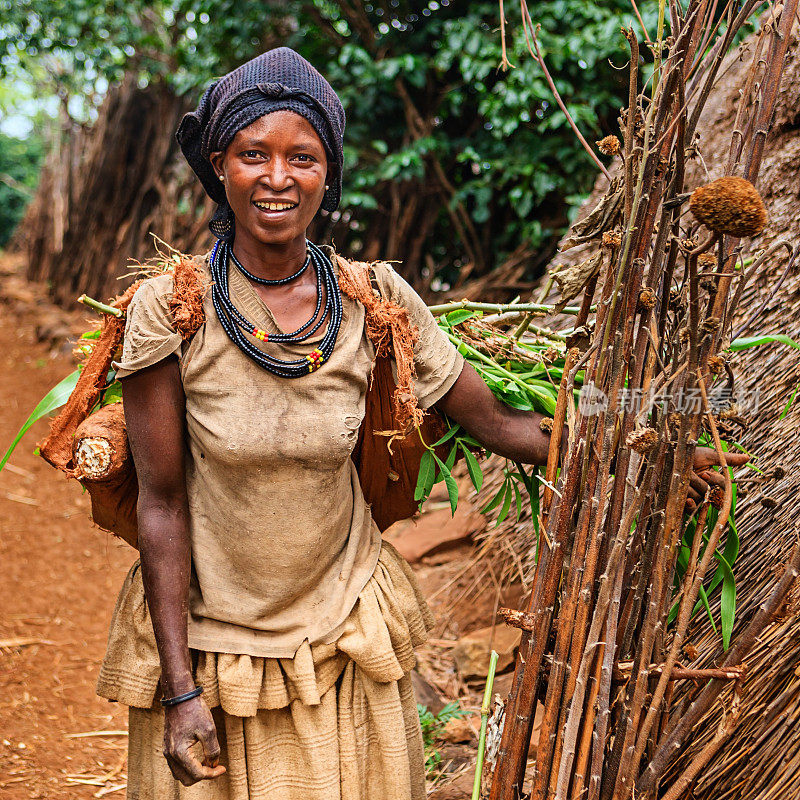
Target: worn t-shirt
(282, 540)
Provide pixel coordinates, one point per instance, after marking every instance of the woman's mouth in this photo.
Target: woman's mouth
(273, 208)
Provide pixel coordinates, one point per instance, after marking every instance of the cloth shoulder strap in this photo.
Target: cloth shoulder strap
(391, 331)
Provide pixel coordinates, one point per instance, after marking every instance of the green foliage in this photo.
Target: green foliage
(20, 161)
(52, 401)
(490, 144)
(432, 725)
(721, 574)
(518, 383)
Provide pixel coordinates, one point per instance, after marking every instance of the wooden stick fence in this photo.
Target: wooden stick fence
(597, 652)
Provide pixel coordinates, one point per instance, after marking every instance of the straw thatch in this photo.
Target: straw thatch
(762, 758)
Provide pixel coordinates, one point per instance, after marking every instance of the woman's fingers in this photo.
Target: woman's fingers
(211, 749)
(188, 769)
(707, 457)
(698, 485)
(736, 459)
(177, 768)
(713, 477)
(186, 726)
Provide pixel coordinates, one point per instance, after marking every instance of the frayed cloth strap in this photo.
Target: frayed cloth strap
(390, 330)
(187, 311)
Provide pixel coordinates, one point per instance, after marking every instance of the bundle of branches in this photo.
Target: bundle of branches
(595, 651)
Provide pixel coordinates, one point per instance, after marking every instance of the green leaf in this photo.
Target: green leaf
(473, 467)
(727, 600)
(449, 482)
(517, 499)
(704, 601)
(113, 394)
(746, 342)
(53, 400)
(509, 496)
(449, 435)
(788, 405)
(427, 473)
(495, 501)
(451, 457)
(458, 316)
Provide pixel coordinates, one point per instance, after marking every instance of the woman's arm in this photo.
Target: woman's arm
(507, 431)
(155, 411)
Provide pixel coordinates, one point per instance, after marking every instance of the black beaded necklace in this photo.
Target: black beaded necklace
(266, 281)
(236, 325)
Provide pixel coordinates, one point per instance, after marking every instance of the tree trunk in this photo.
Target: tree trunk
(104, 189)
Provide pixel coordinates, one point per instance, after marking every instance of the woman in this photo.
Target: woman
(267, 616)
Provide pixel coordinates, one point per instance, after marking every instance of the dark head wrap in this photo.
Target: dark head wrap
(277, 80)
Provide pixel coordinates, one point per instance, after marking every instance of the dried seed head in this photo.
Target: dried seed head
(730, 411)
(674, 297)
(716, 496)
(642, 440)
(608, 146)
(683, 335)
(708, 284)
(777, 473)
(551, 354)
(710, 325)
(716, 364)
(690, 651)
(546, 424)
(706, 261)
(729, 205)
(612, 239)
(687, 244)
(674, 419)
(647, 299)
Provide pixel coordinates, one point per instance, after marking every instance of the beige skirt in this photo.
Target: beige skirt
(362, 742)
(337, 721)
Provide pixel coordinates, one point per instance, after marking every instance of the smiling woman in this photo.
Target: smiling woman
(275, 173)
(264, 640)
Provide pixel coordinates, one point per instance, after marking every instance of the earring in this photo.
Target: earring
(327, 187)
(222, 177)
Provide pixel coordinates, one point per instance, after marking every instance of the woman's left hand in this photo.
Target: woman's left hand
(704, 476)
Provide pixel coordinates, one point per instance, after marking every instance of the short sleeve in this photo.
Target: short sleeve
(149, 334)
(437, 361)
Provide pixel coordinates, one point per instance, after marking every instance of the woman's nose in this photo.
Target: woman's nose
(277, 175)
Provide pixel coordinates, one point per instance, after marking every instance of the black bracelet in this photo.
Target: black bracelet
(182, 698)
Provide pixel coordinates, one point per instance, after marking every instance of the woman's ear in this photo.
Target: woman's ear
(216, 158)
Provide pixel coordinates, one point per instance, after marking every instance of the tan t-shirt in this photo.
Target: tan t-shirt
(282, 539)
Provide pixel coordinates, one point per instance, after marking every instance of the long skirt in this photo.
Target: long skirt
(362, 742)
(336, 721)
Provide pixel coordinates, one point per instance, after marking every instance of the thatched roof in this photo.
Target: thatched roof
(762, 758)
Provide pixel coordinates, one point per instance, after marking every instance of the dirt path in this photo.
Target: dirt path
(59, 576)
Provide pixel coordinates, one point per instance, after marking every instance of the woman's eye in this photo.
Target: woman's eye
(251, 154)
(305, 157)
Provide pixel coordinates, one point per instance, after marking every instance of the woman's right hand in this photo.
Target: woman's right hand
(185, 725)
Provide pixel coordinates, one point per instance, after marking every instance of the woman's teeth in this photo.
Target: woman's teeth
(274, 206)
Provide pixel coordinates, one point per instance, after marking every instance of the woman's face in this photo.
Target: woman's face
(275, 172)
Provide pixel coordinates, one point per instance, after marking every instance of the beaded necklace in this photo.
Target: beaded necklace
(236, 325)
(266, 281)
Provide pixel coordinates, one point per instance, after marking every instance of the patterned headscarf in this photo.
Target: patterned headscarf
(277, 80)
